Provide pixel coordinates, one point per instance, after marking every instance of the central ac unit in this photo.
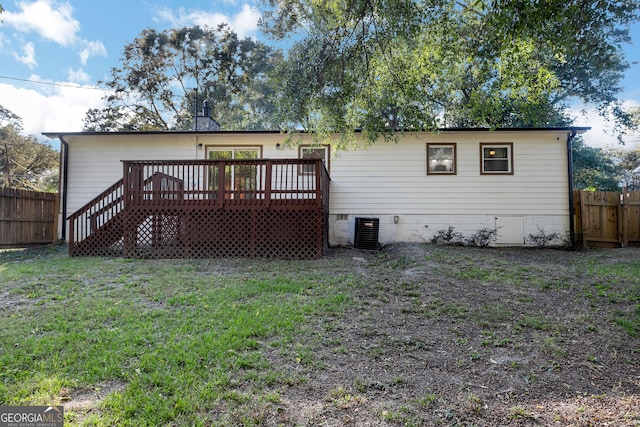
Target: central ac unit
(367, 234)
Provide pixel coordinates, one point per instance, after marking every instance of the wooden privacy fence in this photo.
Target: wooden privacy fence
(607, 219)
(27, 217)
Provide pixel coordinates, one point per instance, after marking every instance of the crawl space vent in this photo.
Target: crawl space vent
(367, 233)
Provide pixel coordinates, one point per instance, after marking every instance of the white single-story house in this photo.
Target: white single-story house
(517, 181)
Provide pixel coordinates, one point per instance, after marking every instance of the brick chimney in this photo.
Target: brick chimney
(204, 122)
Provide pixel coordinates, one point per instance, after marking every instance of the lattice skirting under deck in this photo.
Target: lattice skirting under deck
(205, 233)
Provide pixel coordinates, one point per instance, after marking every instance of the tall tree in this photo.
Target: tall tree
(7, 117)
(593, 168)
(416, 64)
(25, 162)
(626, 160)
(155, 86)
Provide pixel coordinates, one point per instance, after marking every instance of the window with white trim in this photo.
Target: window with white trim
(496, 158)
(441, 159)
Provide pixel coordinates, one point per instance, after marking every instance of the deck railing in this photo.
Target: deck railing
(243, 184)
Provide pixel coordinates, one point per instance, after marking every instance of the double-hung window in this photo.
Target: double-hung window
(441, 159)
(496, 158)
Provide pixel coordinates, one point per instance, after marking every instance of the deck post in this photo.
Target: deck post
(72, 235)
(128, 237)
(318, 176)
(267, 183)
(221, 184)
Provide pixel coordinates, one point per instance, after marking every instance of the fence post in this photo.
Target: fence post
(55, 217)
(624, 217)
(577, 209)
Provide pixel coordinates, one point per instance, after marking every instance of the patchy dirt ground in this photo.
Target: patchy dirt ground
(452, 336)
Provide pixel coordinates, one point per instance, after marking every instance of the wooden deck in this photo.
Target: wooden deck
(208, 208)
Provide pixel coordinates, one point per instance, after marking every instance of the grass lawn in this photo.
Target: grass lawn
(180, 337)
(230, 342)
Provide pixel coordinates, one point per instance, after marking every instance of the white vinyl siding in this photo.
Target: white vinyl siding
(95, 161)
(390, 179)
(383, 180)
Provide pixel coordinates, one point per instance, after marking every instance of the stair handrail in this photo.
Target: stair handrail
(115, 195)
(84, 221)
(96, 199)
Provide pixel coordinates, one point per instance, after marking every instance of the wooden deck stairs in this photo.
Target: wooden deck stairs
(247, 208)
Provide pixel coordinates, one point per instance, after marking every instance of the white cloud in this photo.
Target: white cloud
(601, 134)
(50, 108)
(91, 49)
(245, 22)
(29, 57)
(51, 20)
(78, 76)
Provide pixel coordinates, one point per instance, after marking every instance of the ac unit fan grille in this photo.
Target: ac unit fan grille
(367, 231)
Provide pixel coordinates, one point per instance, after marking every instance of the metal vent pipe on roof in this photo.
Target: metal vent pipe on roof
(206, 110)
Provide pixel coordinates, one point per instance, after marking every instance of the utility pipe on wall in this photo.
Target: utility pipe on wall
(572, 231)
(63, 184)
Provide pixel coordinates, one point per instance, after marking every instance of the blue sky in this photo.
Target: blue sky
(53, 52)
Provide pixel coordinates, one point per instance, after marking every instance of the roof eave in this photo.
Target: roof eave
(577, 129)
